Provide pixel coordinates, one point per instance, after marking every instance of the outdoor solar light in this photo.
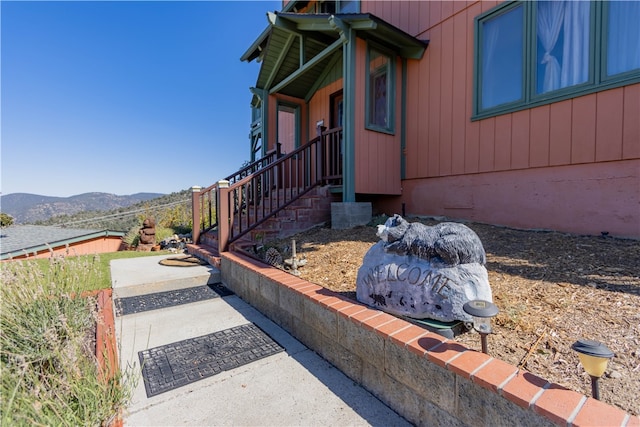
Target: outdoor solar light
(594, 357)
(481, 311)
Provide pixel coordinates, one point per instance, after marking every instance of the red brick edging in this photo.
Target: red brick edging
(529, 392)
(106, 345)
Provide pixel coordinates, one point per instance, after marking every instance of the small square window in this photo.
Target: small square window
(379, 92)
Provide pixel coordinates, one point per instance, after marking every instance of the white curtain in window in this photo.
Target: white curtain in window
(575, 53)
(623, 48)
(550, 19)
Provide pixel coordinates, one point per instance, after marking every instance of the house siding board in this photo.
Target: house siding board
(414, 18)
(424, 117)
(539, 147)
(435, 11)
(459, 115)
(560, 133)
(631, 123)
(435, 81)
(520, 141)
(583, 131)
(446, 98)
(424, 17)
(609, 125)
(487, 145)
(472, 132)
(412, 121)
(502, 148)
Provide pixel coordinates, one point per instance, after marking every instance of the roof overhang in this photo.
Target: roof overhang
(296, 48)
(74, 236)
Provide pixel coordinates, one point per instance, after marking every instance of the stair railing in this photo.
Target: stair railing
(205, 201)
(252, 200)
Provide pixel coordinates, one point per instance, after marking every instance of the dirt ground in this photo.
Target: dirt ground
(551, 288)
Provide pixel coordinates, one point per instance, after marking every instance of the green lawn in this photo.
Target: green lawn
(102, 277)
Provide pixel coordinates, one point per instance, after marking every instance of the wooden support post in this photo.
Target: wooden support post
(195, 213)
(224, 215)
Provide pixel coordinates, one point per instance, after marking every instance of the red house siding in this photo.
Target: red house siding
(571, 165)
(377, 155)
(88, 247)
(320, 106)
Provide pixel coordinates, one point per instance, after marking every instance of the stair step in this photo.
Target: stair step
(205, 252)
(142, 276)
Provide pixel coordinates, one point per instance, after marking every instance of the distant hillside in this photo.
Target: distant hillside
(170, 210)
(31, 208)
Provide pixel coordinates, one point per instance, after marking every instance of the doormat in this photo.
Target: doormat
(175, 365)
(140, 303)
(183, 261)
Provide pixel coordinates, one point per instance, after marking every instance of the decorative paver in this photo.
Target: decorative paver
(140, 303)
(175, 365)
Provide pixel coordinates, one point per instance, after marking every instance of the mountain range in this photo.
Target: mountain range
(26, 208)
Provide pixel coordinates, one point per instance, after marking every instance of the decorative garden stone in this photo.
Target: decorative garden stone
(147, 235)
(424, 271)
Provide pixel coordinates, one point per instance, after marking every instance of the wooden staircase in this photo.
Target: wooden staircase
(272, 198)
(309, 210)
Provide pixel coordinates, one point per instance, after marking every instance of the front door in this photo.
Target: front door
(287, 128)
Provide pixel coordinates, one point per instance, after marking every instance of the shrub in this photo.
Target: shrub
(47, 362)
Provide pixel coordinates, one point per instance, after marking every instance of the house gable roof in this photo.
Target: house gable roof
(20, 239)
(296, 48)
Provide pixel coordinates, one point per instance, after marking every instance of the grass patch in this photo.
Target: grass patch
(47, 363)
(97, 271)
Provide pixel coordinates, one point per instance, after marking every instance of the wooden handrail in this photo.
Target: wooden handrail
(262, 189)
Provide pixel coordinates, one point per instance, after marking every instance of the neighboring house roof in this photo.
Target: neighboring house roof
(20, 239)
(293, 66)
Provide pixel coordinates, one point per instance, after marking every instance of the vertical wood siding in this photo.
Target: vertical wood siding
(377, 155)
(546, 163)
(320, 106)
(441, 139)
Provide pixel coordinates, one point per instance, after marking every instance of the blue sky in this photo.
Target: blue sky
(125, 97)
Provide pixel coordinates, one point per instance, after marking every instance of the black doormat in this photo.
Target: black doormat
(174, 365)
(140, 303)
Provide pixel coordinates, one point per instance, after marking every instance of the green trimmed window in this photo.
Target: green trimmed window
(532, 53)
(379, 90)
(338, 6)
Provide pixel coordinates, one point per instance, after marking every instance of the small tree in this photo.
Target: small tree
(5, 220)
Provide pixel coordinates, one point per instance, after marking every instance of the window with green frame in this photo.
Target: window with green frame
(532, 53)
(380, 90)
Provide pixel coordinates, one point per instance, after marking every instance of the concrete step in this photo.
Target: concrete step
(205, 252)
(145, 275)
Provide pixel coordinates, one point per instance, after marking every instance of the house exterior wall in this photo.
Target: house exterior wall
(377, 154)
(320, 106)
(89, 247)
(272, 117)
(580, 155)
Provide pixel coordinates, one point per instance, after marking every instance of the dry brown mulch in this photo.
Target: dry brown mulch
(551, 288)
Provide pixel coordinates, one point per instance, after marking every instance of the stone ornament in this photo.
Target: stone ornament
(148, 232)
(424, 272)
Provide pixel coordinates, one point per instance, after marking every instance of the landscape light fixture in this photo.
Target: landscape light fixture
(594, 357)
(481, 311)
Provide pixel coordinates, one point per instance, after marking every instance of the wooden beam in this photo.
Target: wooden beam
(306, 67)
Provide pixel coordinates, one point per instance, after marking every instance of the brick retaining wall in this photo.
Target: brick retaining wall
(426, 378)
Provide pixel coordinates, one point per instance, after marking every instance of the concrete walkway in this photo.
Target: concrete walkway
(295, 387)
